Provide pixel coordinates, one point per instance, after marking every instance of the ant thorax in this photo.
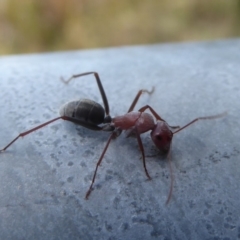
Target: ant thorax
(140, 121)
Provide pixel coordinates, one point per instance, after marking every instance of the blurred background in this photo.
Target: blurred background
(52, 25)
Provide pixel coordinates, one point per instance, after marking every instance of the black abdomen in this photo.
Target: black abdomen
(85, 110)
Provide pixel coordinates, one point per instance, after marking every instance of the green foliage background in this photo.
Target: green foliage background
(50, 25)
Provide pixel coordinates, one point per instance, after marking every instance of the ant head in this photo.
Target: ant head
(162, 136)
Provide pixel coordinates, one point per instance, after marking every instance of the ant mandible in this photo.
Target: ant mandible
(92, 115)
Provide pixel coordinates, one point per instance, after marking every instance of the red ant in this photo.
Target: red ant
(92, 115)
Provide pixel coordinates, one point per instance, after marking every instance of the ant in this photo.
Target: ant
(92, 115)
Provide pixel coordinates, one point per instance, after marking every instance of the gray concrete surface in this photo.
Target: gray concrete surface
(45, 175)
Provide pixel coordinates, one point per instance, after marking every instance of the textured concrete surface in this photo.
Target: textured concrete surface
(45, 175)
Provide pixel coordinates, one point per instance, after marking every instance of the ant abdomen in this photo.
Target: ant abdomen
(85, 109)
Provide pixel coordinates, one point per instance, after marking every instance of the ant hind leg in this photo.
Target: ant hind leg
(100, 87)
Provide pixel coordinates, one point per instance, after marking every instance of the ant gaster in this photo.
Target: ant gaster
(92, 115)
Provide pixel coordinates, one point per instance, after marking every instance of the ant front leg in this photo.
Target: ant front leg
(171, 175)
(143, 153)
(158, 142)
(100, 87)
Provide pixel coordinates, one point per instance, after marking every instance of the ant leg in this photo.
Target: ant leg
(93, 127)
(171, 175)
(169, 157)
(142, 109)
(29, 131)
(114, 134)
(138, 96)
(100, 87)
(142, 151)
(83, 123)
(201, 118)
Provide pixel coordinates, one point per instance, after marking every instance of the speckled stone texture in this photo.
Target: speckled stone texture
(45, 175)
